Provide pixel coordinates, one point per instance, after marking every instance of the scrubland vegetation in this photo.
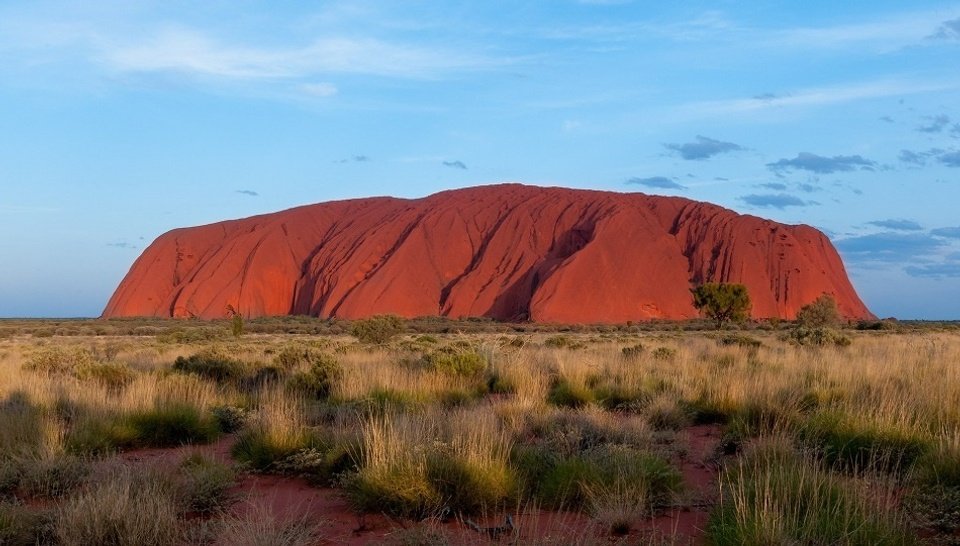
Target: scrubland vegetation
(826, 435)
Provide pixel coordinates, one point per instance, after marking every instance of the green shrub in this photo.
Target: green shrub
(399, 491)
(740, 340)
(568, 483)
(229, 418)
(53, 476)
(498, 383)
(319, 379)
(857, 448)
(378, 329)
(264, 451)
(203, 484)
(664, 353)
(818, 337)
(58, 360)
(633, 351)
(320, 466)
(563, 342)
(100, 434)
(564, 393)
(172, 425)
(212, 363)
(112, 375)
(466, 363)
(774, 496)
(469, 486)
(21, 526)
(125, 510)
(935, 508)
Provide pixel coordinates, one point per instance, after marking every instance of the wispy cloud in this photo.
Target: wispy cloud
(899, 225)
(950, 232)
(775, 200)
(321, 89)
(250, 193)
(455, 164)
(354, 159)
(950, 159)
(703, 148)
(934, 124)
(818, 96)
(890, 247)
(948, 30)
(185, 50)
(656, 182)
(26, 209)
(122, 244)
(822, 165)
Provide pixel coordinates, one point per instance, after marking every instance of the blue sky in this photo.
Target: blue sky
(122, 120)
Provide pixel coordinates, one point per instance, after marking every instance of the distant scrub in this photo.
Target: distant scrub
(378, 329)
(213, 363)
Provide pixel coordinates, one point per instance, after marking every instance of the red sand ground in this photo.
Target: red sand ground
(292, 498)
(509, 252)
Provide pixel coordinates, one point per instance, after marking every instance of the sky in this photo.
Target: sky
(122, 120)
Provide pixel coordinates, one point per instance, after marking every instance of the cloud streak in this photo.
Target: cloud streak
(889, 247)
(774, 200)
(185, 50)
(455, 164)
(656, 182)
(703, 148)
(821, 164)
(899, 225)
(817, 96)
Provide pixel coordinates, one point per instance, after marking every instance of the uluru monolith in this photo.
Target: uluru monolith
(507, 251)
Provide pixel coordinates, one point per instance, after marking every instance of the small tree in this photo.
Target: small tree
(236, 321)
(820, 313)
(722, 302)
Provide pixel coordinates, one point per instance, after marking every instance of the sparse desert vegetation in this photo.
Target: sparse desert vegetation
(432, 432)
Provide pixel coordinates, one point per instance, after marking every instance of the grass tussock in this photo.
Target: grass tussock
(126, 510)
(774, 495)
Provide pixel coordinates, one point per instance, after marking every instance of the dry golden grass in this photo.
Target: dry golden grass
(886, 406)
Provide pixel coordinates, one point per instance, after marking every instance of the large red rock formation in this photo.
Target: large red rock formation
(509, 252)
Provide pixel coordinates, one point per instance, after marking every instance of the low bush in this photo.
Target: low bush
(203, 484)
(21, 526)
(319, 465)
(451, 361)
(856, 447)
(378, 329)
(633, 351)
(112, 375)
(229, 418)
(172, 425)
(318, 380)
(572, 481)
(259, 526)
(213, 363)
(740, 340)
(565, 393)
(818, 337)
(664, 353)
(563, 342)
(52, 476)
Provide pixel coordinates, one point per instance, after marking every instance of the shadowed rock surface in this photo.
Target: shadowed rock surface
(509, 252)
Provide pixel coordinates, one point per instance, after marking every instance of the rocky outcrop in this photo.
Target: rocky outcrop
(509, 252)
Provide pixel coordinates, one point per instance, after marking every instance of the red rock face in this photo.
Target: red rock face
(509, 252)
